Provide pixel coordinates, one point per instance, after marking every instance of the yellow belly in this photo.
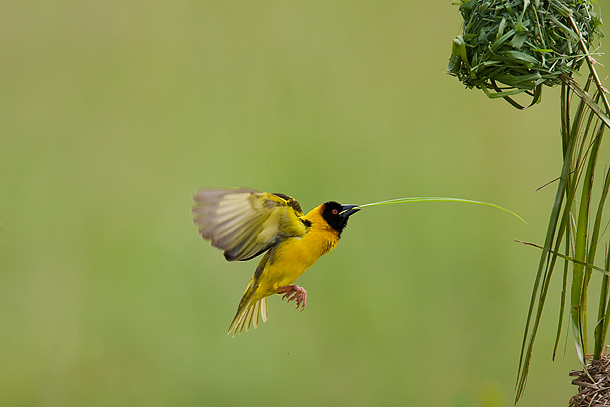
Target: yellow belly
(281, 266)
(291, 258)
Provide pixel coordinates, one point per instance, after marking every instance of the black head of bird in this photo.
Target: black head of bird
(336, 215)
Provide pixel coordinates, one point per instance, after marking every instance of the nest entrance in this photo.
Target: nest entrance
(593, 384)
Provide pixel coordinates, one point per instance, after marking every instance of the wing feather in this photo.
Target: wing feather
(244, 222)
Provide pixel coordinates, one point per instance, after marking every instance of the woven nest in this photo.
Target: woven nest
(593, 384)
(508, 47)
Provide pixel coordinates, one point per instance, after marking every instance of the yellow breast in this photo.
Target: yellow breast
(295, 255)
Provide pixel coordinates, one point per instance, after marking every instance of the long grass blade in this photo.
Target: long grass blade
(600, 333)
(593, 240)
(562, 301)
(604, 271)
(565, 125)
(440, 199)
(578, 298)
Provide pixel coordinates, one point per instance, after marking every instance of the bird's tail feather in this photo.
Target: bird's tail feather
(248, 314)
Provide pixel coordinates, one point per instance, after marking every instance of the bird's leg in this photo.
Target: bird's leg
(294, 292)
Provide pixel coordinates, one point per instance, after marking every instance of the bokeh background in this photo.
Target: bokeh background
(113, 113)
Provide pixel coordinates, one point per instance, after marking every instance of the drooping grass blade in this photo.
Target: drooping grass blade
(439, 199)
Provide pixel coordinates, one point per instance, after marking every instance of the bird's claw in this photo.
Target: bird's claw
(296, 293)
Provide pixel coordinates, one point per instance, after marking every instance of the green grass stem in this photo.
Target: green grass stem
(439, 199)
(600, 330)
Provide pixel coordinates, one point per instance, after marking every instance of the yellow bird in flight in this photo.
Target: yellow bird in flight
(246, 223)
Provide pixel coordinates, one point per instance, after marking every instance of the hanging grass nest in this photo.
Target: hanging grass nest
(514, 46)
(593, 384)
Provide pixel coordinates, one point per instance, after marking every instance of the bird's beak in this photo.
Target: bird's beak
(348, 210)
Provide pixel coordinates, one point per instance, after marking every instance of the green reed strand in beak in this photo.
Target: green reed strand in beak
(439, 199)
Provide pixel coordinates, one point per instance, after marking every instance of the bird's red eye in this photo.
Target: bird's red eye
(335, 211)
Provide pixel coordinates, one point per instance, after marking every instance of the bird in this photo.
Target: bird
(246, 223)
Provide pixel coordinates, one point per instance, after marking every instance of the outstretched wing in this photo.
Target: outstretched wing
(244, 222)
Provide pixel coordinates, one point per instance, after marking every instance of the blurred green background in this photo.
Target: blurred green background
(113, 113)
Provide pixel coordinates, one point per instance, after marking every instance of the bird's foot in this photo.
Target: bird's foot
(294, 292)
